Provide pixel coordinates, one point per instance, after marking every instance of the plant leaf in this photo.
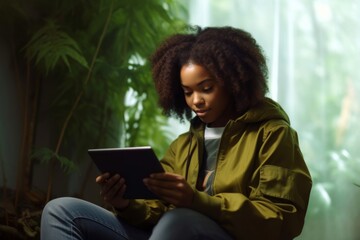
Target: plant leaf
(49, 44)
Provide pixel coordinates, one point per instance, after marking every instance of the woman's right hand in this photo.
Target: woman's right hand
(112, 190)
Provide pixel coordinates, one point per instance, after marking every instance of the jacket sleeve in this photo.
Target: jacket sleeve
(278, 195)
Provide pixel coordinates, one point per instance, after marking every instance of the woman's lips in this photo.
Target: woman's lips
(201, 113)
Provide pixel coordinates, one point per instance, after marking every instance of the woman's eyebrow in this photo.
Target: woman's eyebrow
(201, 83)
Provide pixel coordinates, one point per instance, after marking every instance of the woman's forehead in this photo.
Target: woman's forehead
(193, 74)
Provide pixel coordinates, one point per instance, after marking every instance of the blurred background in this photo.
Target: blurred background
(74, 75)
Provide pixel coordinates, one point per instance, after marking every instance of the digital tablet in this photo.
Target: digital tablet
(133, 164)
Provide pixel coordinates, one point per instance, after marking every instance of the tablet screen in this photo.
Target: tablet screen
(133, 164)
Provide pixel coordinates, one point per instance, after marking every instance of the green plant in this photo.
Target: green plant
(77, 62)
(83, 79)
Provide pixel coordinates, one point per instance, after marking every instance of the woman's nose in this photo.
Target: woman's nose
(198, 99)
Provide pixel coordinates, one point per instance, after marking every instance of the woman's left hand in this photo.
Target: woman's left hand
(171, 187)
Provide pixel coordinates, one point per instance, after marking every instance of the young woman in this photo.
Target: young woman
(238, 173)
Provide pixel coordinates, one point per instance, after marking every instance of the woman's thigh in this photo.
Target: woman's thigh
(183, 223)
(71, 218)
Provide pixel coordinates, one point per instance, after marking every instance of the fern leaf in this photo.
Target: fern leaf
(43, 154)
(66, 164)
(50, 45)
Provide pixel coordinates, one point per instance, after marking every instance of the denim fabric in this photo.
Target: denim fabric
(184, 223)
(70, 218)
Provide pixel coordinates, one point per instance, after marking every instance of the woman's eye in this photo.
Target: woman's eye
(187, 93)
(208, 89)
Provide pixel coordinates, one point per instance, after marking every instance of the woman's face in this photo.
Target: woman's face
(205, 96)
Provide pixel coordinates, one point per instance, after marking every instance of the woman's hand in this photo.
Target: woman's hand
(112, 190)
(172, 188)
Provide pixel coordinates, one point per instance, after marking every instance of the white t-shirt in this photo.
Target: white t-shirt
(207, 170)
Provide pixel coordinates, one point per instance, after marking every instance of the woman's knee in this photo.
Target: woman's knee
(59, 206)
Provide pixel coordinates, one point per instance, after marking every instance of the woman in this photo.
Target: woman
(238, 173)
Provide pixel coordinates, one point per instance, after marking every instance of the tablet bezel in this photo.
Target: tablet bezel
(133, 164)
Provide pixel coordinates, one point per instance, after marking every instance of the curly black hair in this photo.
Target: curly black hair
(229, 54)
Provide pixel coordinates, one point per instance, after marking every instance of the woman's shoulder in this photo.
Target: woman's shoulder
(267, 111)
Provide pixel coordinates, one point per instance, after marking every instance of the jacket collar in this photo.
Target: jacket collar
(264, 111)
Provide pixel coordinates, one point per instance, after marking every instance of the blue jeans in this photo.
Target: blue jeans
(71, 218)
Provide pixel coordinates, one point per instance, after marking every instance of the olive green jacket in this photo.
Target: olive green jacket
(262, 183)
